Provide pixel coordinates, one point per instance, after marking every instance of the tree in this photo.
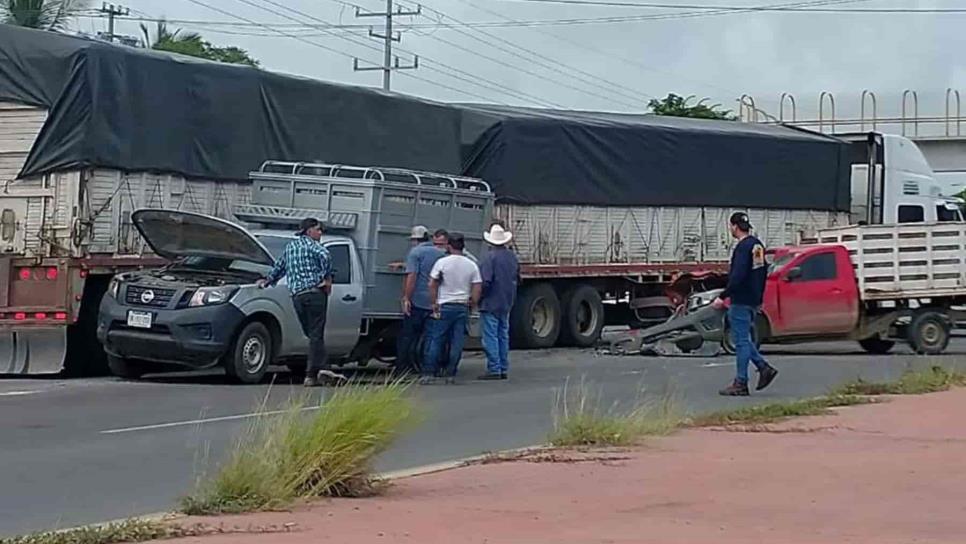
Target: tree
(40, 14)
(679, 106)
(192, 44)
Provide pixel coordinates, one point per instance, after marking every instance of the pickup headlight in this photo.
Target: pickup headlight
(209, 296)
(114, 287)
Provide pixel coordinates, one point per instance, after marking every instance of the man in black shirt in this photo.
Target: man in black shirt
(746, 289)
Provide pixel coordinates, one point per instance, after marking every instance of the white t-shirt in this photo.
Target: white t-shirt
(456, 275)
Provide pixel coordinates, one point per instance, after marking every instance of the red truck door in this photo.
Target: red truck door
(817, 293)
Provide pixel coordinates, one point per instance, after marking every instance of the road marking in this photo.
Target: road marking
(19, 393)
(712, 365)
(200, 421)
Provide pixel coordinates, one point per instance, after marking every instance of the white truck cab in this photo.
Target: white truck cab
(893, 183)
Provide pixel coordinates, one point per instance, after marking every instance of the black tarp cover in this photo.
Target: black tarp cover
(131, 109)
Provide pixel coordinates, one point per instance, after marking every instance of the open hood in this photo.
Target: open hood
(175, 234)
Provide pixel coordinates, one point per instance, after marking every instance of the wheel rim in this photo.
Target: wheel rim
(586, 318)
(931, 334)
(253, 354)
(542, 318)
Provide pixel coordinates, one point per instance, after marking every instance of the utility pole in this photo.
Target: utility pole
(389, 63)
(111, 10)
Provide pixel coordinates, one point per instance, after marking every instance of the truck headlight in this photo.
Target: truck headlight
(209, 296)
(114, 287)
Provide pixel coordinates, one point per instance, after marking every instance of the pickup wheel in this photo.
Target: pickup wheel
(929, 332)
(250, 355)
(124, 368)
(535, 318)
(877, 345)
(583, 316)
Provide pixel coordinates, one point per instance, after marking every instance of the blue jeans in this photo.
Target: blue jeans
(741, 318)
(413, 326)
(451, 327)
(496, 341)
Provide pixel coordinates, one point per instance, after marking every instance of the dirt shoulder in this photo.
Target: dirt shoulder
(891, 472)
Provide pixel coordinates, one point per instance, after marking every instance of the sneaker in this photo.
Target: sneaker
(503, 376)
(736, 389)
(766, 376)
(310, 382)
(491, 377)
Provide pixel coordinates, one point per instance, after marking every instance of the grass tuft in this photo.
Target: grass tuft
(579, 420)
(912, 382)
(132, 530)
(778, 411)
(307, 452)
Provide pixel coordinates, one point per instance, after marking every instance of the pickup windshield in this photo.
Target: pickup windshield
(780, 263)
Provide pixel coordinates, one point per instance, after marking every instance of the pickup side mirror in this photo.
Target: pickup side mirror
(793, 274)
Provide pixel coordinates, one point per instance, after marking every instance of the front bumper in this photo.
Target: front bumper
(191, 337)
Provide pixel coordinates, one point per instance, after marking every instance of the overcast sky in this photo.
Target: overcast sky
(603, 66)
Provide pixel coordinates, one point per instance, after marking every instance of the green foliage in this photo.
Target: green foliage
(193, 45)
(307, 451)
(679, 106)
(770, 413)
(931, 380)
(40, 14)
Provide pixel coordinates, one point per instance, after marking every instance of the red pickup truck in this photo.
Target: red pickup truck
(872, 284)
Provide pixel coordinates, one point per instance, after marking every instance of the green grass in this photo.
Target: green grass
(133, 530)
(303, 454)
(579, 420)
(912, 382)
(770, 413)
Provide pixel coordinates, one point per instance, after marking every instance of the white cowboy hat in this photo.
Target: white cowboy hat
(497, 236)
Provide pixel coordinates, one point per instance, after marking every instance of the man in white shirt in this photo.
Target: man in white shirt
(454, 287)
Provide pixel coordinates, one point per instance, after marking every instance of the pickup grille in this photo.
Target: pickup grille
(135, 296)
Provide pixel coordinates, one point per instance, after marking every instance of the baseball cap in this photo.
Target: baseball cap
(418, 233)
(740, 220)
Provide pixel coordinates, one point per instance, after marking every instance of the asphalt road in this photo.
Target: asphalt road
(83, 451)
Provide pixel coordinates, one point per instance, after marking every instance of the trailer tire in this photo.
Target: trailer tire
(877, 345)
(125, 369)
(250, 355)
(583, 316)
(929, 332)
(535, 318)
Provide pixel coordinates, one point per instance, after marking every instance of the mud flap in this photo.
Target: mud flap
(33, 352)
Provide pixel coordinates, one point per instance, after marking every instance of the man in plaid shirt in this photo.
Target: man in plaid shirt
(307, 266)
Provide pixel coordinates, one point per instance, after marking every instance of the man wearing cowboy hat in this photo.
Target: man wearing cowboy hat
(500, 271)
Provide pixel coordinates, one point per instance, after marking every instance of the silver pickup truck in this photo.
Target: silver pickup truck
(203, 309)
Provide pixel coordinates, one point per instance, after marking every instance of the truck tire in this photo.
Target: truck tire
(124, 368)
(250, 355)
(583, 316)
(535, 318)
(728, 344)
(877, 345)
(929, 332)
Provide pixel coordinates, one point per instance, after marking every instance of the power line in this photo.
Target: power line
(325, 47)
(615, 3)
(440, 67)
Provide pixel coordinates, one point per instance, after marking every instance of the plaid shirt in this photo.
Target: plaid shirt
(305, 262)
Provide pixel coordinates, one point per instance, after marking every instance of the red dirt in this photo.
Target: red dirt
(884, 473)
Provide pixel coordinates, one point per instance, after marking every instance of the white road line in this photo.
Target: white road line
(712, 365)
(19, 393)
(199, 421)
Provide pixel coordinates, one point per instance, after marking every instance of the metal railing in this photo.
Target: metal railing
(397, 175)
(909, 121)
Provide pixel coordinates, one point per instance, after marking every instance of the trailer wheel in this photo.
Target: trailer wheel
(535, 318)
(250, 355)
(124, 368)
(583, 316)
(929, 332)
(877, 345)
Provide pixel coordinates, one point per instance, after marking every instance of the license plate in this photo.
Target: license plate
(141, 320)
